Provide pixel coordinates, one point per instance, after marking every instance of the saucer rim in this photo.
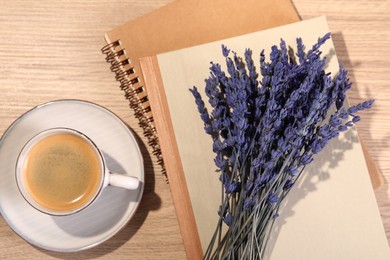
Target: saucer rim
(139, 195)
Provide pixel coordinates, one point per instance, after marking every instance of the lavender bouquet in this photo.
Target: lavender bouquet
(265, 130)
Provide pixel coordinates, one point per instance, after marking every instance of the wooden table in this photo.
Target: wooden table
(51, 50)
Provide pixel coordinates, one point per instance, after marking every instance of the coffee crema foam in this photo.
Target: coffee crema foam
(62, 172)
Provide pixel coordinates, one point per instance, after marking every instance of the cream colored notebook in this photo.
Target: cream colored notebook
(331, 214)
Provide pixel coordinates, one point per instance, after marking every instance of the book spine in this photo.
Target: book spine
(134, 93)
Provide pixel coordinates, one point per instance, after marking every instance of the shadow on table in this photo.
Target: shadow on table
(367, 137)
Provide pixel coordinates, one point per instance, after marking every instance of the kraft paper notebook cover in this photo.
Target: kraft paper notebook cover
(331, 214)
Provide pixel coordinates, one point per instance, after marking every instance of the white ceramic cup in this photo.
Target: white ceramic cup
(106, 177)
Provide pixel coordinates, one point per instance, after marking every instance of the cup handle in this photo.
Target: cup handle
(123, 181)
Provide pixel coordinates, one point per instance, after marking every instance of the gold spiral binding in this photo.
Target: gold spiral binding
(134, 93)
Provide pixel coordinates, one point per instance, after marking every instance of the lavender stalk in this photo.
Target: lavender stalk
(266, 127)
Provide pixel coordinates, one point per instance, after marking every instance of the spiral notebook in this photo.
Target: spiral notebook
(330, 214)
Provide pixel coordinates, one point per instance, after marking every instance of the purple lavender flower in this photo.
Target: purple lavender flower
(273, 198)
(202, 109)
(356, 119)
(228, 219)
(249, 202)
(288, 185)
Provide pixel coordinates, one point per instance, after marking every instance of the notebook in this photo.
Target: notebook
(331, 214)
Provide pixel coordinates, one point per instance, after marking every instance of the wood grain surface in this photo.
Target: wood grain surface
(51, 50)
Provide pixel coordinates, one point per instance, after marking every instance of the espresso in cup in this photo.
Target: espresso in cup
(61, 171)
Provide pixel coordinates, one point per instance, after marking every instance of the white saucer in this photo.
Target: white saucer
(108, 214)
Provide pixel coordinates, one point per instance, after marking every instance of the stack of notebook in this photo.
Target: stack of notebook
(158, 57)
